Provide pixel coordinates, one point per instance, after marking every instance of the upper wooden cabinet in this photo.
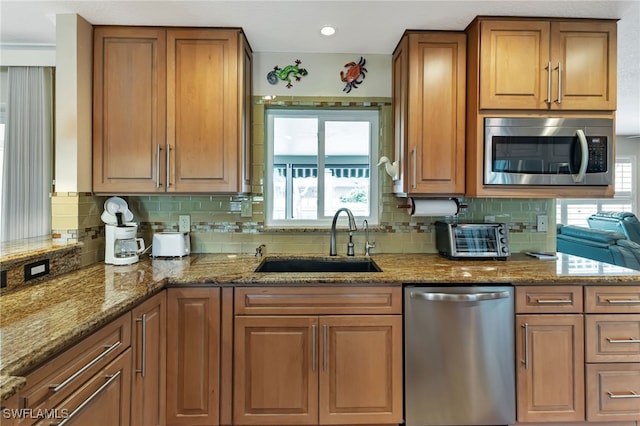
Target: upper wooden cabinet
(171, 110)
(429, 70)
(547, 65)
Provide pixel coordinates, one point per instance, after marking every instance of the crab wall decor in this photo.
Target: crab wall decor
(355, 74)
(286, 73)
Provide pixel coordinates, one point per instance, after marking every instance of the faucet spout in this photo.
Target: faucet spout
(352, 227)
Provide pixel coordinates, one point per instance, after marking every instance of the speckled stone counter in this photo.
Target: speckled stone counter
(41, 320)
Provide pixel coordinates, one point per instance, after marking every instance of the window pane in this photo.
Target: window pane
(347, 167)
(577, 214)
(295, 160)
(623, 178)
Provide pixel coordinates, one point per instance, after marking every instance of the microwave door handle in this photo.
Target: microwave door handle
(585, 156)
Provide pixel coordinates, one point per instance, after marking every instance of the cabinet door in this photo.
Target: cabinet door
(436, 123)
(514, 61)
(149, 362)
(550, 372)
(246, 111)
(583, 55)
(275, 370)
(129, 110)
(202, 110)
(400, 93)
(193, 357)
(361, 370)
(102, 400)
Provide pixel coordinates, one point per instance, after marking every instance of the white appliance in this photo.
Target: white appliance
(171, 244)
(121, 245)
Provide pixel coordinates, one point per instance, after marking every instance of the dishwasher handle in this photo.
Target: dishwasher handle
(459, 297)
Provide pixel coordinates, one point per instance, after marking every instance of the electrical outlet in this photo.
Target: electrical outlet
(184, 223)
(543, 225)
(246, 209)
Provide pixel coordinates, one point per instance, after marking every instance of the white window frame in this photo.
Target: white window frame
(603, 204)
(323, 114)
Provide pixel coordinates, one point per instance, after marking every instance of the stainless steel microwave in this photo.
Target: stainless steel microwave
(548, 151)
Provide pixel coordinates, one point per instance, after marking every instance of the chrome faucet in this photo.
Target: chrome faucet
(259, 250)
(367, 245)
(352, 227)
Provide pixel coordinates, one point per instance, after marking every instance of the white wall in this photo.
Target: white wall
(27, 56)
(323, 77)
(74, 75)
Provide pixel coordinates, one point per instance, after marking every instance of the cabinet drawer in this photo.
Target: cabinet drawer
(548, 299)
(319, 300)
(613, 392)
(618, 299)
(54, 381)
(613, 338)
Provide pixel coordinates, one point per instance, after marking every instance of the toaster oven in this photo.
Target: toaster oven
(472, 240)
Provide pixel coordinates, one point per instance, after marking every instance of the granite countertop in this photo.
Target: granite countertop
(43, 319)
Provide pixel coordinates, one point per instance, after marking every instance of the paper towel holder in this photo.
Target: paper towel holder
(412, 206)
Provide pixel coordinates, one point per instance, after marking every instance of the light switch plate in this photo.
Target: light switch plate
(246, 209)
(543, 225)
(184, 223)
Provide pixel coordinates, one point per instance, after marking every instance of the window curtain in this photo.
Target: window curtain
(28, 161)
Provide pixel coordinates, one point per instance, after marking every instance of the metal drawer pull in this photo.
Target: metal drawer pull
(143, 361)
(87, 401)
(552, 301)
(108, 350)
(549, 83)
(629, 340)
(622, 301)
(631, 394)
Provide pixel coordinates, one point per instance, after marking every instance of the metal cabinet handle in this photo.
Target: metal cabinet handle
(552, 301)
(168, 167)
(622, 301)
(525, 327)
(107, 351)
(324, 347)
(549, 83)
(630, 394)
(87, 401)
(629, 340)
(143, 361)
(313, 347)
(559, 100)
(158, 149)
(414, 175)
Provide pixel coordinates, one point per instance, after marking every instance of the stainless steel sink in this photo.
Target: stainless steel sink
(317, 264)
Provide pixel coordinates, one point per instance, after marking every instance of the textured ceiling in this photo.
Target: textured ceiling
(363, 27)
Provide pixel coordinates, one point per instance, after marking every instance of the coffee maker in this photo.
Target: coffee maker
(121, 245)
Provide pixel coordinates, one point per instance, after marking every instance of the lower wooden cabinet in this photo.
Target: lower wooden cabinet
(193, 356)
(550, 372)
(103, 400)
(149, 345)
(88, 384)
(317, 368)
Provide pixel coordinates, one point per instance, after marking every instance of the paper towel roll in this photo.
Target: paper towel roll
(434, 207)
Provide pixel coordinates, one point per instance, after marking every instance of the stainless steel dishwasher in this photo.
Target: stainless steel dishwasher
(459, 355)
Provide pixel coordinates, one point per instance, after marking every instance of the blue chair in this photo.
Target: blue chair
(624, 222)
(597, 244)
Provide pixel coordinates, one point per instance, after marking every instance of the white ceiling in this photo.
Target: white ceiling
(363, 27)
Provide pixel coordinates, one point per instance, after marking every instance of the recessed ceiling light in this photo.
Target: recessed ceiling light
(327, 30)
